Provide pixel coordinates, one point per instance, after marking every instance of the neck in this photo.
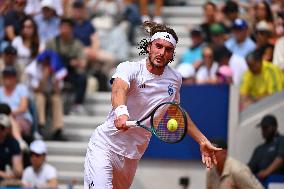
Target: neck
(152, 68)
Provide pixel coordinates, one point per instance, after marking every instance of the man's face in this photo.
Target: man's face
(240, 34)
(47, 12)
(65, 30)
(268, 132)
(161, 52)
(209, 12)
(20, 5)
(9, 80)
(254, 66)
(78, 13)
(9, 59)
(37, 160)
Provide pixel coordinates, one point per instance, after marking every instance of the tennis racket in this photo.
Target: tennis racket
(168, 122)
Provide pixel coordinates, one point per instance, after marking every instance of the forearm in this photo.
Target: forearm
(5, 175)
(119, 92)
(194, 132)
(278, 162)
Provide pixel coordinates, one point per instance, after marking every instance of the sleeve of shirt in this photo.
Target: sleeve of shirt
(281, 147)
(124, 71)
(52, 173)
(15, 147)
(23, 91)
(274, 80)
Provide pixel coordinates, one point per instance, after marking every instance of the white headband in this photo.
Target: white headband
(166, 36)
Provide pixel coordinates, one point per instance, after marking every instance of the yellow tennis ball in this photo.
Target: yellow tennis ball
(172, 125)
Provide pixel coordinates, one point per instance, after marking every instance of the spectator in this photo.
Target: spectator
(262, 79)
(10, 152)
(263, 12)
(40, 174)
(14, 18)
(231, 12)
(224, 75)
(109, 29)
(15, 130)
(3, 9)
(187, 72)
(240, 43)
(278, 55)
(229, 173)
(157, 14)
(217, 33)
(263, 34)
(237, 63)
(210, 11)
(132, 15)
(34, 7)
(27, 43)
(194, 53)
(46, 75)
(9, 58)
(71, 52)
(47, 21)
(268, 158)
(16, 96)
(206, 74)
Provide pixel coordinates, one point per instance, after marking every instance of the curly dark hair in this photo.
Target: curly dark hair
(151, 28)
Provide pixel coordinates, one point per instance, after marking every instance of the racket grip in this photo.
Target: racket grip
(131, 123)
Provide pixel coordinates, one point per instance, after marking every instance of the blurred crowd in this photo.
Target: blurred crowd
(54, 52)
(239, 43)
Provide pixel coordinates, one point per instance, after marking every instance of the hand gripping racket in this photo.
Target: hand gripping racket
(168, 122)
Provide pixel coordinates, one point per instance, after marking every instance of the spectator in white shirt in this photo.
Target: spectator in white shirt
(40, 174)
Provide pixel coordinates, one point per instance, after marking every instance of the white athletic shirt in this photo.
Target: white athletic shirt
(146, 91)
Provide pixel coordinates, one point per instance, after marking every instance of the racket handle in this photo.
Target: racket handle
(131, 123)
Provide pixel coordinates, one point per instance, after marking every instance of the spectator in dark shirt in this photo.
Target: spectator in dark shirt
(10, 153)
(268, 158)
(83, 29)
(14, 18)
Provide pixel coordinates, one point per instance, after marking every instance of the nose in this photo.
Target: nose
(162, 51)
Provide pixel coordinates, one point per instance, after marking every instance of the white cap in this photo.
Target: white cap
(38, 147)
(47, 3)
(186, 70)
(263, 26)
(4, 120)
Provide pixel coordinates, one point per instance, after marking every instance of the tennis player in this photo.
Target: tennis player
(114, 149)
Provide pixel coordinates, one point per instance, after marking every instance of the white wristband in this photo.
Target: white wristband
(121, 110)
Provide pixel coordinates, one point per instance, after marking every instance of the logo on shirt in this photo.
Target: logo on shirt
(91, 185)
(170, 89)
(142, 86)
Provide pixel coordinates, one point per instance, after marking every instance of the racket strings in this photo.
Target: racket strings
(161, 119)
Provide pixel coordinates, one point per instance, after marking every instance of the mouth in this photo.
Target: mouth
(159, 60)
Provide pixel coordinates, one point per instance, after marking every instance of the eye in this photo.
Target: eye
(168, 49)
(159, 46)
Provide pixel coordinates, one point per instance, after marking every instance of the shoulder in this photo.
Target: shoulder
(131, 65)
(28, 171)
(49, 167)
(174, 73)
(16, 41)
